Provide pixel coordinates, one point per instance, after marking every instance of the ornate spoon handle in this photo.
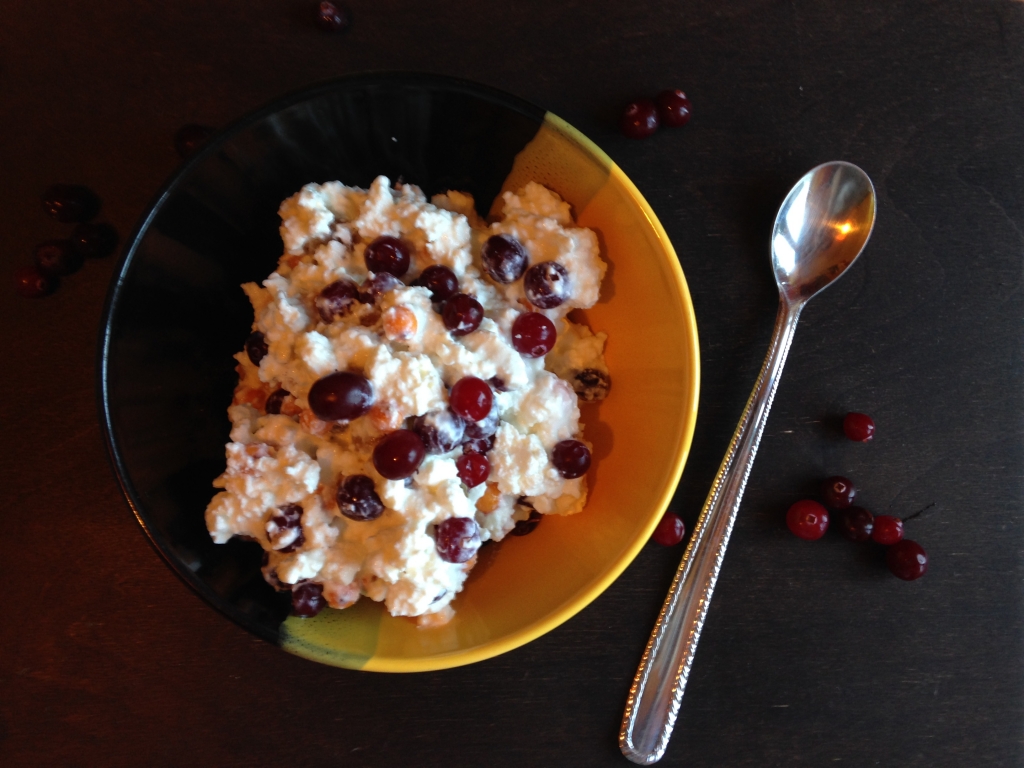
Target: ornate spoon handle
(657, 689)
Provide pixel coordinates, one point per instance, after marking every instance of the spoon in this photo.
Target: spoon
(820, 230)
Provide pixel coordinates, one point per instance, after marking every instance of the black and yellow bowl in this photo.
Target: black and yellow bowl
(175, 316)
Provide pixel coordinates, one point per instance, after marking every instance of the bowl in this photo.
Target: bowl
(175, 315)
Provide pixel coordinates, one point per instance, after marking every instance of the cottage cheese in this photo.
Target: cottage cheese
(284, 460)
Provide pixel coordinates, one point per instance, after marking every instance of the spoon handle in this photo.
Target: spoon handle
(657, 689)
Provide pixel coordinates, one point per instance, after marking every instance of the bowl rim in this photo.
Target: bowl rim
(450, 659)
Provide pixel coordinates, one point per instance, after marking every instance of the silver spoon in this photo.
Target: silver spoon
(820, 230)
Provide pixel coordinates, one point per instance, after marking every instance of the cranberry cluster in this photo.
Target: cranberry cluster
(643, 117)
(54, 259)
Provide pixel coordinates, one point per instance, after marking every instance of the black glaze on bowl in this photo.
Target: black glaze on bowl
(175, 314)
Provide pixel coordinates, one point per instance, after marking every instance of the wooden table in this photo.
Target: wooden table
(812, 653)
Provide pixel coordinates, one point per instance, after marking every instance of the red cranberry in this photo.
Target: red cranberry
(458, 539)
(284, 530)
(94, 240)
(533, 335)
(333, 17)
(907, 560)
(481, 445)
(56, 258)
(276, 400)
(462, 314)
(484, 427)
(673, 108)
(838, 492)
(358, 500)
(856, 523)
(807, 519)
(341, 396)
(471, 398)
(546, 284)
(256, 347)
(504, 258)
(440, 431)
(70, 203)
(191, 137)
(388, 254)
(571, 458)
(639, 120)
(439, 280)
(670, 530)
(33, 283)
(888, 530)
(336, 300)
(399, 454)
(524, 527)
(308, 600)
(377, 286)
(472, 468)
(498, 383)
(859, 427)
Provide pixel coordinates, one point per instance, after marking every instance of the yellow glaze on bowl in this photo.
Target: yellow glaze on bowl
(525, 586)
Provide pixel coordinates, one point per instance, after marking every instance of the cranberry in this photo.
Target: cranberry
(191, 137)
(838, 492)
(907, 560)
(533, 335)
(256, 347)
(856, 523)
(439, 280)
(498, 383)
(388, 254)
(859, 427)
(481, 445)
(471, 398)
(399, 454)
(524, 527)
(333, 17)
(70, 203)
(462, 314)
(639, 120)
(308, 600)
(591, 384)
(670, 530)
(888, 530)
(377, 286)
(485, 427)
(546, 284)
(504, 258)
(673, 108)
(276, 400)
(458, 539)
(284, 530)
(341, 396)
(571, 458)
(440, 431)
(358, 500)
(336, 300)
(473, 469)
(56, 258)
(94, 240)
(807, 519)
(33, 282)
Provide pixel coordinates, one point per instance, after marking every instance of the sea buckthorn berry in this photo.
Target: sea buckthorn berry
(399, 323)
(462, 314)
(336, 300)
(472, 469)
(94, 240)
(471, 398)
(504, 258)
(838, 492)
(33, 283)
(859, 427)
(591, 385)
(490, 500)
(670, 530)
(276, 400)
(533, 335)
(807, 519)
(571, 458)
(308, 600)
(377, 285)
(856, 523)
(57, 258)
(440, 431)
(399, 454)
(191, 137)
(256, 347)
(358, 500)
(907, 560)
(333, 17)
(284, 530)
(439, 280)
(388, 254)
(70, 203)
(673, 108)
(546, 284)
(458, 539)
(888, 530)
(640, 119)
(341, 396)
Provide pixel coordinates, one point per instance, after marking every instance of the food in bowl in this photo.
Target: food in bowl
(409, 391)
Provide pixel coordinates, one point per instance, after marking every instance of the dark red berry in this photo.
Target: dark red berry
(888, 530)
(546, 284)
(673, 108)
(440, 431)
(333, 17)
(458, 539)
(191, 137)
(524, 527)
(308, 600)
(640, 119)
(33, 283)
(284, 530)
(56, 258)
(481, 445)
(336, 300)
(484, 427)
(276, 400)
(856, 523)
(341, 396)
(399, 454)
(504, 258)
(571, 458)
(472, 468)
(462, 314)
(270, 575)
(439, 280)
(388, 254)
(907, 560)
(377, 286)
(94, 240)
(358, 500)
(859, 427)
(70, 203)
(256, 347)
(533, 335)
(838, 492)
(591, 384)
(471, 398)
(670, 530)
(807, 519)
(498, 384)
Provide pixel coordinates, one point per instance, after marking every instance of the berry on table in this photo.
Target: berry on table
(70, 203)
(807, 520)
(670, 530)
(56, 258)
(838, 492)
(907, 560)
(673, 108)
(859, 427)
(94, 240)
(888, 530)
(33, 283)
(333, 17)
(856, 523)
(639, 120)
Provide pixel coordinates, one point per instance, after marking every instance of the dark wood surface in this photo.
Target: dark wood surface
(812, 653)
